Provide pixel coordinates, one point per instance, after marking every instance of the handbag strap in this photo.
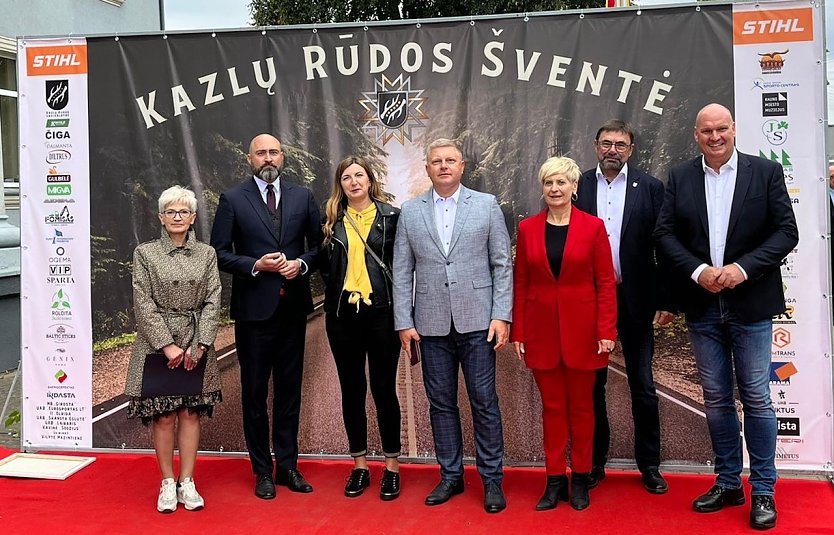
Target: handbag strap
(378, 260)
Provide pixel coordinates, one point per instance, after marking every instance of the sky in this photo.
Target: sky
(206, 14)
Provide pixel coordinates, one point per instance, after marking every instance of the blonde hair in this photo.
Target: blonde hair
(337, 202)
(560, 165)
(177, 194)
(443, 142)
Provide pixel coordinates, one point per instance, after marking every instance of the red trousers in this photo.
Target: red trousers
(567, 412)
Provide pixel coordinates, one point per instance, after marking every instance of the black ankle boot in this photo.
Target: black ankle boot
(556, 489)
(579, 499)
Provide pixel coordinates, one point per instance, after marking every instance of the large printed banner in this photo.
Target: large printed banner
(181, 109)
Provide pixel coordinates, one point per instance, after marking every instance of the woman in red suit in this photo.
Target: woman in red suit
(564, 324)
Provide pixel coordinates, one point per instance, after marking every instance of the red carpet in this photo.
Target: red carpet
(117, 495)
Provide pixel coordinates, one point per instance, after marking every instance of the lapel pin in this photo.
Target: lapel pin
(634, 184)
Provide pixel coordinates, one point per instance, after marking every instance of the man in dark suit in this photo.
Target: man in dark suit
(725, 226)
(259, 233)
(628, 201)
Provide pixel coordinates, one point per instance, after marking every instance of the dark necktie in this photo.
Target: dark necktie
(270, 198)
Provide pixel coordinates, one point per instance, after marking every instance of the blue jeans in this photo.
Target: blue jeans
(442, 357)
(723, 343)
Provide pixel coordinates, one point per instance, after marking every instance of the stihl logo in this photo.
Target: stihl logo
(773, 26)
(51, 60)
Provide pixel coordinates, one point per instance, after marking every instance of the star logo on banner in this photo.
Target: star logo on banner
(392, 110)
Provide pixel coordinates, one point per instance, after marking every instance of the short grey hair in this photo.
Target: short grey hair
(560, 165)
(175, 195)
(443, 142)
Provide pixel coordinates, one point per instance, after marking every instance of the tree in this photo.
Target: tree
(284, 12)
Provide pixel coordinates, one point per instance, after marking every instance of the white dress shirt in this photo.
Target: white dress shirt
(610, 207)
(719, 188)
(262, 184)
(445, 209)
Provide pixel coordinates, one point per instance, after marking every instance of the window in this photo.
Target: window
(9, 157)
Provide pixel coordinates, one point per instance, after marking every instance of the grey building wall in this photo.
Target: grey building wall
(82, 17)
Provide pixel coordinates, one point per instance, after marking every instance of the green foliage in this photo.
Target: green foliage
(116, 341)
(12, 422)
(283, 12)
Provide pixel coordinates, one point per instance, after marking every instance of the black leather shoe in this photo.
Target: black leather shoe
(389, 488)
(716, 498)
(444, 490)
(264, 487)
(653, 481)
(556, 489)
(494, 501)
(763, 512)
(359, 480)
(597, 474)
(579, 498)
(293, 480)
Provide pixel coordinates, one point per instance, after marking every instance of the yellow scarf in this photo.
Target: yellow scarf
(357, 280)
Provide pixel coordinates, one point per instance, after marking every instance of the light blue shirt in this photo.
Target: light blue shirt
(445, 209)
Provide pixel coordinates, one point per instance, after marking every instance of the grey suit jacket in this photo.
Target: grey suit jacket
(471, 286)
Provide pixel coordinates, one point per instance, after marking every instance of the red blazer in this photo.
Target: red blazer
(584, 298)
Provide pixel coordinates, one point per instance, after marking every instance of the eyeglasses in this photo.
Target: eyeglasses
(171, 214)
(620, 146)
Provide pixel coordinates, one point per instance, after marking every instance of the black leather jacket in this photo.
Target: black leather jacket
(334, 264)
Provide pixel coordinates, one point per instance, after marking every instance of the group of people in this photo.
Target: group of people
(612, 254)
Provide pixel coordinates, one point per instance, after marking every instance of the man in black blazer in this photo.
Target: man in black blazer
(725, 226)
(259, 234)
(628, 201)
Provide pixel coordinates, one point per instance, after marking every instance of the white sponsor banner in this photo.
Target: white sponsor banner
(778, 57)
(55, 239)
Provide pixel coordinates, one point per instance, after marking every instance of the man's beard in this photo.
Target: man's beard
(268, 173)
(612, 164)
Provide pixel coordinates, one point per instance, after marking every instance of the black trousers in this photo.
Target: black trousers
(637, 341)
(272, 348)
(355, 336)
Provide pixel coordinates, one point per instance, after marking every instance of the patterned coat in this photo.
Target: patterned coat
(175, 292)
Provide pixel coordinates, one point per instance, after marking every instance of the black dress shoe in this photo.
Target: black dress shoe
(556, 489)
(579, 498)
(653, 481)
(444, 490)
(716, 498)
(494, 501)
(264, 487)
(763, 512)
(389, 488)
(359, 480)
(293, 480)
(597, 474)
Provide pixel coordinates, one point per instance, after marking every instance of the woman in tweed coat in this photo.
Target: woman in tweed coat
(176, 298)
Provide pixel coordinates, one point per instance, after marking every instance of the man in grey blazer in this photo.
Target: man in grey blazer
(453, 293)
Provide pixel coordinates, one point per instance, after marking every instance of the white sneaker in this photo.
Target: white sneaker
(187, 495)
(167, 501)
